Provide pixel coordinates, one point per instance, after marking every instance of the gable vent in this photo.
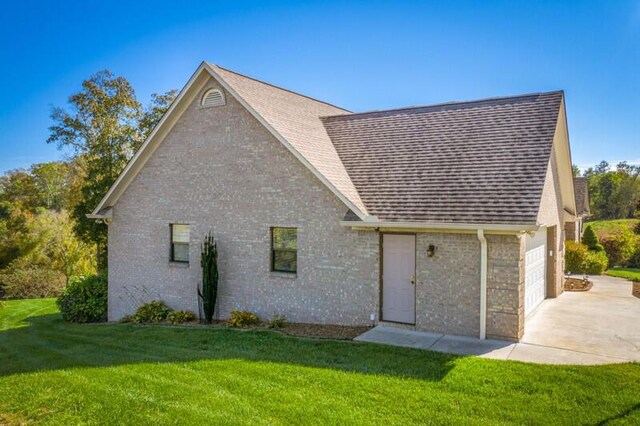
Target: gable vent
(213, 97)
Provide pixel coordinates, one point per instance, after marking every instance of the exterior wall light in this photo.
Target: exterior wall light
(431, 251)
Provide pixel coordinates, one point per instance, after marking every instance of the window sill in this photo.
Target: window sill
(178, 264)
(290, 275)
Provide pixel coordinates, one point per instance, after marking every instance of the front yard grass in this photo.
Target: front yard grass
(628, 273)
(52, 372)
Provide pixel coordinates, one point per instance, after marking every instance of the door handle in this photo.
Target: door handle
(413, 279)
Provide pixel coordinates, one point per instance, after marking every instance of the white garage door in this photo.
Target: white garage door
(535, 289)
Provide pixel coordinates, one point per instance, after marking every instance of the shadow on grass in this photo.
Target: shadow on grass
(620, 416)
(49, 343)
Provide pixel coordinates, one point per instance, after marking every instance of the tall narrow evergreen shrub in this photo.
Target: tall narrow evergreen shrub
(590, 239)
(209, 263)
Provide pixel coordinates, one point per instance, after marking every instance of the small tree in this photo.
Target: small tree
(590, 239)
(209, 263)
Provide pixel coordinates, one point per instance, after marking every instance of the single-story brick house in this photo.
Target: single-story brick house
(449, 218)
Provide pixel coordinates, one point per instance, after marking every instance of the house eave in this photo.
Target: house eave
(493, 228)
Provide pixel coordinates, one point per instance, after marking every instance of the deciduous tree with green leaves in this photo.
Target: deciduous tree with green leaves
(103, 127)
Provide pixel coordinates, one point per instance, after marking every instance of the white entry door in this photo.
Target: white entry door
(398, 278)
(535, 288)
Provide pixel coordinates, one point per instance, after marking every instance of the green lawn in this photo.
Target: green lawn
(628, 273)
(603, 228)
(57, 373)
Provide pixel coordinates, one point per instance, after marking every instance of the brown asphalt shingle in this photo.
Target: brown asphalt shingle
(470, 162)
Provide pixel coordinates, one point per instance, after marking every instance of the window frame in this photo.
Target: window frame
(172, 244)
(273, 250)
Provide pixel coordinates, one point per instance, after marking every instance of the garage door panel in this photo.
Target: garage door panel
(535, 272)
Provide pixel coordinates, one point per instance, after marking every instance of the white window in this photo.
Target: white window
(212, 97)
(179, 243)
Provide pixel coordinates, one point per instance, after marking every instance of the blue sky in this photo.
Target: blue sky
(359, 55)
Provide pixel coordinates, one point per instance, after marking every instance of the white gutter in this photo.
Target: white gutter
(460, 227)
(483, 283)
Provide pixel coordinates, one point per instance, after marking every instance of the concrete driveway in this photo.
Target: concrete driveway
(600, 326)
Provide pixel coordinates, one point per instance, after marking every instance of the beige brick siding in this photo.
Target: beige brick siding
(552, 213)
(219, 169)
(448, 284)
(505, 287)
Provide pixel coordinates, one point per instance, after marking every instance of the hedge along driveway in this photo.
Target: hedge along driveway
(59, 373)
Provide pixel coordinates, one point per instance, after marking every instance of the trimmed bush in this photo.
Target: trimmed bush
(242, 319)
(620, 248)
(180, 317)
(151, 312)
(590, 239)
(580, 260)
(84, 299)
(595, 263)
(31, 283)
(574, 256)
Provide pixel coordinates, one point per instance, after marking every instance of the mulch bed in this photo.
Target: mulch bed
(577, 284)
(336, 332)
(636, 289)
(317, 331)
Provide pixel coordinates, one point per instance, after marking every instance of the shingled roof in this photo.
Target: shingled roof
(465, 162)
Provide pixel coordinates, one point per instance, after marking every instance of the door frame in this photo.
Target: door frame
(381, 271)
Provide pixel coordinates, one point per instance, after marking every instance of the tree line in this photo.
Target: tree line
(45, 237)
(614, 192)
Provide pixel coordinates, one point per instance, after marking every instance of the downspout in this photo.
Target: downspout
(483, 283)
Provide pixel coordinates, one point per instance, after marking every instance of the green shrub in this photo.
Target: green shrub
(31, 282)
(595, 263)
(579, 259)
(84, 299)
(620, 248)
(151, 312)
(590, 239)
(242, 318)
(574, 256)
(636, 228)
(278, 321)
(180, 317)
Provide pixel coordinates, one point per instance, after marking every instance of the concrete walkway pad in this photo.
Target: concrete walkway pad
(595, 327)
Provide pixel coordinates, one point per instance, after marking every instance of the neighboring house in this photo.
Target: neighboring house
(573, 230)
(449, 218)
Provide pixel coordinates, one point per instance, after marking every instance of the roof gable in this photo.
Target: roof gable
(293, 119)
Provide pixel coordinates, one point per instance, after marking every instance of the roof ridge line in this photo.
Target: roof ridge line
(280, 87)
(444, 104)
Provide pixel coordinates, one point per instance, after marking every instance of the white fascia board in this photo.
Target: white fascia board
(452, 227)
